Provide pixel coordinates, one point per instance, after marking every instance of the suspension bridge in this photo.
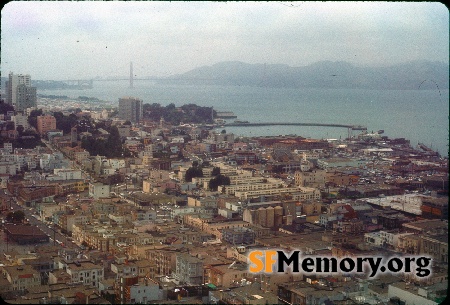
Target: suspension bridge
(89, 83)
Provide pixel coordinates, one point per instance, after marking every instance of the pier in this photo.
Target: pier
(350, 128)
(244, 124)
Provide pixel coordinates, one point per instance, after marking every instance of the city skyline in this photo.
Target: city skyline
(70, 40)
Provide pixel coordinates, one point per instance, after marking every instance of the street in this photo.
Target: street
(56, 237)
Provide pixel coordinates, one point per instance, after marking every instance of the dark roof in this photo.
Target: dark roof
(24, 230)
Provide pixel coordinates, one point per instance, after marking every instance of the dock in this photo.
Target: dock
(247, 124)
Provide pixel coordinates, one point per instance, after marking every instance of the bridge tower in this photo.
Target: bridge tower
(131, 75)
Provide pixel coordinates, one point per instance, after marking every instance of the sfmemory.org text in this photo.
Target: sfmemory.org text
(269, 261)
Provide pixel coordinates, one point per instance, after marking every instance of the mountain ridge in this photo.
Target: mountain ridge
(321, 74)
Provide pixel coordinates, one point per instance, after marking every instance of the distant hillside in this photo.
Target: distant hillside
(44, 84)
(323, 74)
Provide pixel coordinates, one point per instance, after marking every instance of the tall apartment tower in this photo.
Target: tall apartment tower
(20, 94)
(130, 109)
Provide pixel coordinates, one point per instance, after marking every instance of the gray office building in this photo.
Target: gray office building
(130, 109)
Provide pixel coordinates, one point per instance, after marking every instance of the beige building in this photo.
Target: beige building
(85, 272)
(435, 246)
(232, 189)
(226, 276)
(312, 178)
(22, 277)
(67, 221)
(337, 178)
(409, 244)
(48, 209)
(311, 208)
(163, 259)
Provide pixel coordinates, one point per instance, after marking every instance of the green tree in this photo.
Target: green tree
(111, 148)
(20, 130)
(10, 216)
(215, 171)
(65, 123)
(17, 216)
(27, 140)
(114, 143)
(193, 172)
(4, 108)
(32, 119)
(217, 181)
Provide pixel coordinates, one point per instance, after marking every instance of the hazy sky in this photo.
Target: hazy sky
(70, 40)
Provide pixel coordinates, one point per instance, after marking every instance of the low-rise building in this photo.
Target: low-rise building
(87, 273)
(311, 178)
(239, 236)
(25, 234)
(21, 277)
(189, 269)
(99, 190)
(435, 246)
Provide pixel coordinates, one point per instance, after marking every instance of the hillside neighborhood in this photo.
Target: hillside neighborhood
(132, 205)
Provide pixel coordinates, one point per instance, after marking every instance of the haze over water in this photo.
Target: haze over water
(417, 115)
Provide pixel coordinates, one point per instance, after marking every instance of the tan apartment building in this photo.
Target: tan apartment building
(312, 178)
(85, 272)
(435, 246)
(163, 260)
(409, 244)
(232, 189)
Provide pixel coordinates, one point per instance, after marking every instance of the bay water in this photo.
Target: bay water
(417, 115)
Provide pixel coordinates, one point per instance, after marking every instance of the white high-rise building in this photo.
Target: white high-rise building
(20, 94)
